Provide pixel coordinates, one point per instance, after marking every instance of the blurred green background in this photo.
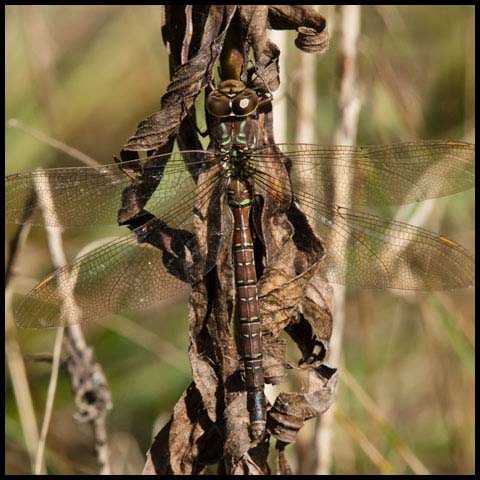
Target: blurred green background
(87, 75)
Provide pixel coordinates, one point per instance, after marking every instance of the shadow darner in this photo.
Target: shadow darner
(164, 253)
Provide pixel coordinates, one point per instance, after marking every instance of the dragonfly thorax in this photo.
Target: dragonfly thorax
(238, 134)
(233, 121)
(235, 162)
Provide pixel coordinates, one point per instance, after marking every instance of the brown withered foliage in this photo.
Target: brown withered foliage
(209, 424)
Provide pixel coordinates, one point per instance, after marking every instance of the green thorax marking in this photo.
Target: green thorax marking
(243, 203)
(241, 138)
(226, 140)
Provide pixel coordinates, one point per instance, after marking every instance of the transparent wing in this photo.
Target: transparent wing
(93, 195)
(157, 262)
(117, 277)
(376, 175)
(370, 252)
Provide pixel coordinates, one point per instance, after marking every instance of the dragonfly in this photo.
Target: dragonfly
(162, 257)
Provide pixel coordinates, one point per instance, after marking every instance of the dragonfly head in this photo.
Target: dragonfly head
(232, 99)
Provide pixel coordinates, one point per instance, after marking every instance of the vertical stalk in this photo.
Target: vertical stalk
(279, 37)
(306, 96)
(305, 132)
(348, 108)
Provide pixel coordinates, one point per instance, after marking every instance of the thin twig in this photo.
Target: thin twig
(58, 258)
(188, 33)
(86, 375)
(73, 339)
(89, 382)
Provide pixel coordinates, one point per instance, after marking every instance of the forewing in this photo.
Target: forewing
(80, 196)
(376, 175)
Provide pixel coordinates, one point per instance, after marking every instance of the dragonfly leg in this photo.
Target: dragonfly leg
(192, 121)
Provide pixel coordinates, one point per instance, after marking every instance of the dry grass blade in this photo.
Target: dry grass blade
(21, 389)
(374, 411)
(383, 465)
(52, 387)
(15, 362)
(150, 341)
(57, 144)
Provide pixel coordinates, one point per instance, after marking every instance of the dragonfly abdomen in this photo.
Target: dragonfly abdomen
(248, 312)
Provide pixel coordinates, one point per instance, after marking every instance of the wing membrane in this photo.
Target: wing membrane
(376, 175)
(160, 259)
(92, 195)
(155, 263)
(115, 278)
(371, 252)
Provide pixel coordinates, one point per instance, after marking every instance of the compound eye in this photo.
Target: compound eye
(218, 104)
(245, 103)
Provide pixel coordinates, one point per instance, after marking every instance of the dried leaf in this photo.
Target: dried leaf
(292, 409)
(210, 423)
(274, 359)
(187, 442)
(283, 467)
(310, 25)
